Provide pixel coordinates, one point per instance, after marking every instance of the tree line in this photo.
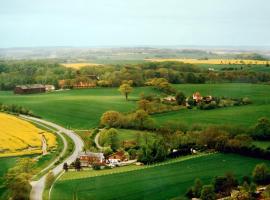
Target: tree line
(14, 73)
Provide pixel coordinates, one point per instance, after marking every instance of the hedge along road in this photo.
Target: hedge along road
(39, 185)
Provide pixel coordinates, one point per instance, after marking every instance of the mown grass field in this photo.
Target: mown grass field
(160, 182)
(78, 109)
(238, 115)
(82, 109)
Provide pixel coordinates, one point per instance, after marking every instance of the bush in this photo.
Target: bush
(208, 193)
(261, 174)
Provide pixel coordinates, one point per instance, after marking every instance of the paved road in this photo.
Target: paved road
(38, 186)
(96, 141)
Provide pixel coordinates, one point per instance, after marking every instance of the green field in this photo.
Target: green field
(78, 109)
(81, 109)
(160, 182)
(238, 115)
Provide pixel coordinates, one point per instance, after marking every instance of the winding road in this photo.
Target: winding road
(39, 185)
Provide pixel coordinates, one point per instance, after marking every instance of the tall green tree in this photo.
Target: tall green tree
(125, 89)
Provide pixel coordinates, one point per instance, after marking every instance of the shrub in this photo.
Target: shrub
(208, 193)
(261, 174)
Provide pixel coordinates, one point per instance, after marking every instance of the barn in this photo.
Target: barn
(29, 89)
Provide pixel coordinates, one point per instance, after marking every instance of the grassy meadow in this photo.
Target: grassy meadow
(78, 109)
(82, 109)
(238, 115)
(160, 182)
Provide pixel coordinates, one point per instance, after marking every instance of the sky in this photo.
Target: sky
(86, 23)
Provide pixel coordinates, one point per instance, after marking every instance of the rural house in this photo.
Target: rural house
(88, 158)
(169, 99)
(197, 97)
(29, 89)
(49, 88)
(119, 156)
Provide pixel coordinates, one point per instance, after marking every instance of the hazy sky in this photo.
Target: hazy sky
(26, 23)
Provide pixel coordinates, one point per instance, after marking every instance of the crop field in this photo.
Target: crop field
(160, 182)
(79, 65)
(238, 115)
(82, 109)
(211, 61)
(78, 109)
(19, 137)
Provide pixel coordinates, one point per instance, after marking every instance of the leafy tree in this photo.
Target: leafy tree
(140, 116)
(17, 179)
(261, 174)
(110, 139)
(208, 193)
(180, 98)
(125, 89)
(262, 129)
(65, 167)
(197, 188)
(144, 104)
(20, 187)
(111, 119)
(155, 152)
(77, 164)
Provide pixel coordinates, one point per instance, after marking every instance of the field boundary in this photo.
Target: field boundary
(107, 172)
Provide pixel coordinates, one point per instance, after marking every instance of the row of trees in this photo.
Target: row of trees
(12, 108)
(50, 72)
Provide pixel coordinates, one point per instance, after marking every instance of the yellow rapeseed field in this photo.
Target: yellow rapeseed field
(79, 65)
(19, 137)
(209, 61)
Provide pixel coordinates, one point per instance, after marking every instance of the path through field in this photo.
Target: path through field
(38, 186)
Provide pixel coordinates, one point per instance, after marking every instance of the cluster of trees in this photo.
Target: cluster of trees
(162, 85)
(15, 109)
(137, 120)
(237, 76)
(153, 104)
(179, 138)
(110, 139)
(261, 131)
(17, 179)
(222, 186)
(14, 73)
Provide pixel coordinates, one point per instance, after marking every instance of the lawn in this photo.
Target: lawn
(237, 115)
(159, 182)
(78, 109)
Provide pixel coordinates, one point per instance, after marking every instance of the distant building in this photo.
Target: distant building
(49, 88)
(119, 156)
(82, 84)
(207, 99)
(197, 97)
(29, 89)
(88, 158)
(169, 99)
